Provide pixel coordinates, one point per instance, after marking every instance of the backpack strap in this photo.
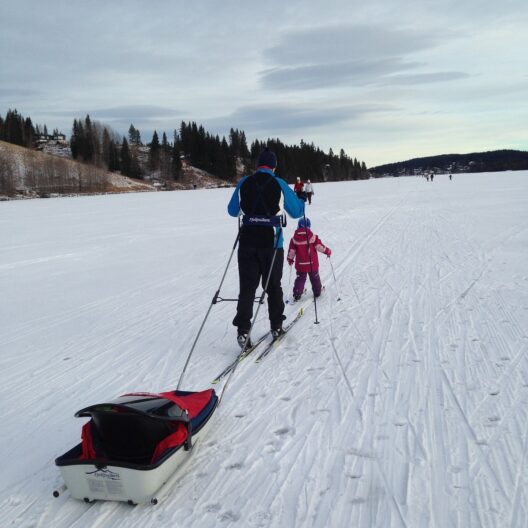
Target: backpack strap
(260, 189)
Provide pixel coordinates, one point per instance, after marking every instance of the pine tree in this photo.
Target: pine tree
(88, 149)
(176, 166)
(134, 137)
(364, 171)
(106, 152)
(154, 152)
(132, 134)
(244, 151)
(126, 158)
(14, 128)
(74, 140)
(29, 133)
(114, 163)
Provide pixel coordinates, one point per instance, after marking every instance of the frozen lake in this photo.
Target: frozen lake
(406, 406)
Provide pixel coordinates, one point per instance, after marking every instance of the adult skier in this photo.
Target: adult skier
(308, 190)
(259, 198)
(298, 189)
(303, 249)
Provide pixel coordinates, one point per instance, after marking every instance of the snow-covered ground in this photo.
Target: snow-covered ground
(406, 406)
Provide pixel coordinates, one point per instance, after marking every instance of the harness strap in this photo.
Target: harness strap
(260, 189)
(262, 221)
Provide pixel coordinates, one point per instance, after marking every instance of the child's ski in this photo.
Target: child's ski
(293, 300)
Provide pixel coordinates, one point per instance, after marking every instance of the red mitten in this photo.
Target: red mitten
(290, 262)
(328, 252)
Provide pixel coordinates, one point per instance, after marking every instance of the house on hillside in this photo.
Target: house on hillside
(184, 160)
(50, 139)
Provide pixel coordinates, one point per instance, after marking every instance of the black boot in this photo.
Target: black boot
(277, 332)
(243, 340)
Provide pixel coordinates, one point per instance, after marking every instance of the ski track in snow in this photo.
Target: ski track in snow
(405, 407)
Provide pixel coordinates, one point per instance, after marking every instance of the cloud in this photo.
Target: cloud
(332, 44)
(122, 116)
(423, 78)
(136, 112)
(354, 55)
(288, 118)
(328, 75)
(19, 92)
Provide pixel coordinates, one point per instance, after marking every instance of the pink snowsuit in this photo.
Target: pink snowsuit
(298, 251)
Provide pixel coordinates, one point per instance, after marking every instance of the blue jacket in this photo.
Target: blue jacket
(273, 196)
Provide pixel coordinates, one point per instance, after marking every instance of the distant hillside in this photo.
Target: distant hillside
(31, 173)
(496, 160)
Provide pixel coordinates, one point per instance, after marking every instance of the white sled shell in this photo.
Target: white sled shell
(120, 482)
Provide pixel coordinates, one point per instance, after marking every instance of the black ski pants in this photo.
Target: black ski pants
(253, 267)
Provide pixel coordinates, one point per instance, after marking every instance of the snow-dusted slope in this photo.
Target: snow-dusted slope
(406, 406)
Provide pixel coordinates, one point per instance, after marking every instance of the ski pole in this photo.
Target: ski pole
(311, 265)
(335, 280)
(289, 283)
(214, 301)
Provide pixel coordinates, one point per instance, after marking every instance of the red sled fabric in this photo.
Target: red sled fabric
(88, 451)
(193, 403)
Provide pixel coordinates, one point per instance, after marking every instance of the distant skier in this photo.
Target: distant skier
(432, 177)
(298, 189)
(258, 197)
(304, 246)
(308, 189)
(450, 177)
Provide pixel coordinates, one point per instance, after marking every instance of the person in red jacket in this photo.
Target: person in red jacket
(303, 248)
(298, 189)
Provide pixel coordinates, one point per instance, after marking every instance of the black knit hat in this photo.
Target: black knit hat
(267, 158)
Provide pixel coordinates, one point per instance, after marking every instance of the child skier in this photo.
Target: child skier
(304, 246)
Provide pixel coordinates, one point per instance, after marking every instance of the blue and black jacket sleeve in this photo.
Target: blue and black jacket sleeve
(233, 207)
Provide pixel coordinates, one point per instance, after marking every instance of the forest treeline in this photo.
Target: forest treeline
(491, 161)
(94, 143)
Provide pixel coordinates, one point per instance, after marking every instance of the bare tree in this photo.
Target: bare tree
(29, 174)
(7, 174)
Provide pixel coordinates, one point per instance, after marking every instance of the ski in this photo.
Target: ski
(292, 300)
(272, 344)
(239, 358)
(275, 343)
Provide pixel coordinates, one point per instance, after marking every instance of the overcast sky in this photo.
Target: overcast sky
(387, 81)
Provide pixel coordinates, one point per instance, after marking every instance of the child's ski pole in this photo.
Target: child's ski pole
(335, 280)
(311, 265)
